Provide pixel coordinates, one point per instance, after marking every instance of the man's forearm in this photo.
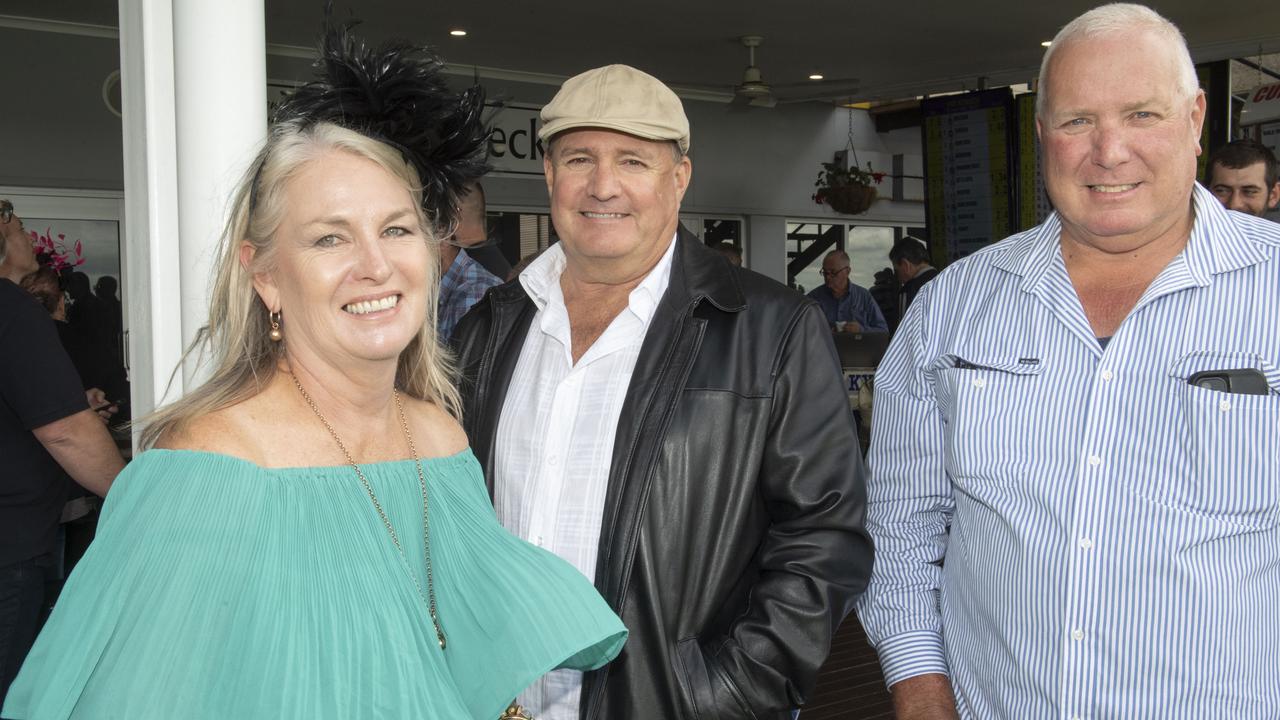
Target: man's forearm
(924, 697)
(83, 447)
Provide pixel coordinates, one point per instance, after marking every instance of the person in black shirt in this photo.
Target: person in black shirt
(84, 315)
(910, 261)
(112, 316)
(93, 358)
(885, 292)
(47, 431)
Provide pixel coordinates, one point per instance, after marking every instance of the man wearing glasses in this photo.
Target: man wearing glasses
(848, 307)
(17, 255)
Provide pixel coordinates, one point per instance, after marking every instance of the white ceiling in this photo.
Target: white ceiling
(896, 49)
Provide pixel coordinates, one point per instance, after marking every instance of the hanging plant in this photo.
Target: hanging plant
(849, 191)
(844, 185)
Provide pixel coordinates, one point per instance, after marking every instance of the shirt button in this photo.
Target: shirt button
(1095, 461)
(551, 460)
(1086, 543)
(1224, 405)
(1077, 634)
(979, 382)
(537, 540)
(1107, 375)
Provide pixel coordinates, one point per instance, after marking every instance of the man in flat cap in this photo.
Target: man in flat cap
(665, 422)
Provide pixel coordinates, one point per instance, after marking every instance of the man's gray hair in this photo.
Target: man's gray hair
(1121, 18)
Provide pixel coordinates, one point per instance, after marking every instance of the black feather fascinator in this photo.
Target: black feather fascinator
(396, 94)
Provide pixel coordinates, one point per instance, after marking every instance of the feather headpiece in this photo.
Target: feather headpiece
(395, 94)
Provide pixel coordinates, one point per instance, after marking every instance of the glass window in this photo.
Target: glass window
(720, 230)
(868, 247)
(716, 230)
(535, 233)
(519, 234)
(807, 244)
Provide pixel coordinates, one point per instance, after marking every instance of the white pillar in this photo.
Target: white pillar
(220, 71)
(193, 86)
(150, 200)
(767, 245)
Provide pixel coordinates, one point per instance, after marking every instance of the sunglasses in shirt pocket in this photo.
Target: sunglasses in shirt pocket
(1230, 404)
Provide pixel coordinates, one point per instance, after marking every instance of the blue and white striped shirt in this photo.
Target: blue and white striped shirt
(1111, 532)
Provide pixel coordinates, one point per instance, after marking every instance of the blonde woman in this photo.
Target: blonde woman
(309, 536)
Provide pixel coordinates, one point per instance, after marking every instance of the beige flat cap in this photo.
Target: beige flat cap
(617, 97)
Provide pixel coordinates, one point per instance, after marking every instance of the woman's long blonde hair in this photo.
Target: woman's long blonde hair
(235, 341)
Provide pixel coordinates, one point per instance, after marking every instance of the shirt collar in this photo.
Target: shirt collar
(1219, 242)
(644, 299)
(544, 273)
(1216, 245)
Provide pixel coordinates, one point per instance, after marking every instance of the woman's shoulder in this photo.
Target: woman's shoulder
(227, 431)
(436, 432)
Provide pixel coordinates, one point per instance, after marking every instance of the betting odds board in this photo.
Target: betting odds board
(969, 147)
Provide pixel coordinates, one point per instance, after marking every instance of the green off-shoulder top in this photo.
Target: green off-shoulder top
(216, 588)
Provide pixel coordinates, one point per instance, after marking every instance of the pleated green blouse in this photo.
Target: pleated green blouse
(217, 588)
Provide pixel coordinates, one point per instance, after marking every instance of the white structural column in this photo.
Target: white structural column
(220, 73)
(767, 245)
(150, 200)
(193, 85)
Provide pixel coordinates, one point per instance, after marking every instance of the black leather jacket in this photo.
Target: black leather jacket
(732, 543)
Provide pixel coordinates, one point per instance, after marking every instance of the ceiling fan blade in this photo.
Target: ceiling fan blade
(817, 84)
(739, 104)
(744, 103)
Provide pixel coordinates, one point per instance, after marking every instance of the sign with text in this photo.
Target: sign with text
(514, 147)
(1261, 105)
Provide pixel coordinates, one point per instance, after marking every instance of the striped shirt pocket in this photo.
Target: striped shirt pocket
(1232, 441)
(989, 407)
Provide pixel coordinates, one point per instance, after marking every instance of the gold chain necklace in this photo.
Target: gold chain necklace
(430, 597)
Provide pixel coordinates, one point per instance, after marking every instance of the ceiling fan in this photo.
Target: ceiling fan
(753, 91)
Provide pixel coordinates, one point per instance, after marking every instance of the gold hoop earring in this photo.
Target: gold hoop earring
(276, 335)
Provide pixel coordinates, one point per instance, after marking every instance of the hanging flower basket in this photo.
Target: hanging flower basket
(848, 191)
(851, 199)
